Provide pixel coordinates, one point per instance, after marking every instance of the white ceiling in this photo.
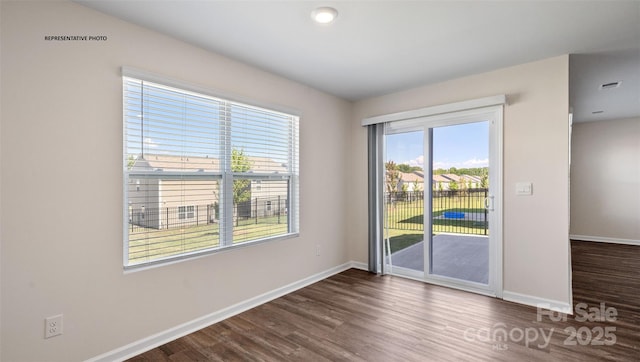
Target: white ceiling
(378, 47)
(588, 72)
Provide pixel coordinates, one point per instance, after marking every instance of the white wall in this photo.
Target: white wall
(61, 182)
(1, 267)
(605, 180)
(61, 186)
(535, 230)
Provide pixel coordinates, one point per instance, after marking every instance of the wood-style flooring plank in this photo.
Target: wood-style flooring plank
(358, 316)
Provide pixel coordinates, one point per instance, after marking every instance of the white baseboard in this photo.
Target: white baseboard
(359, 265)
(537, 302)
(145, 344)
(601, 239)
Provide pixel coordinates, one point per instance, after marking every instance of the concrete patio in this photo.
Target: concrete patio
(459, 256)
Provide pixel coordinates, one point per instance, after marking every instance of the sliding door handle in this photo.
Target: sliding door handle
(488, 203)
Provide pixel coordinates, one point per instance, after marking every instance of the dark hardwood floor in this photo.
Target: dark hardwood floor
(357, 316)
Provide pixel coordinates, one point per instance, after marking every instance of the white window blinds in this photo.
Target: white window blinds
(202, 173)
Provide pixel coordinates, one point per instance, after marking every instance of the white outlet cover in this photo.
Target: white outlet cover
(53, 326)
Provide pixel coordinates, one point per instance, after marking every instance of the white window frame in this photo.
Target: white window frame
(186, 212)
(225, 176)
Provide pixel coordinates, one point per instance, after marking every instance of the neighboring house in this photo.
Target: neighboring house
(452, 177)
(412, 180)
(267, 197)
(440, 182)
(162, 201)
(473, 182)
(463, 181)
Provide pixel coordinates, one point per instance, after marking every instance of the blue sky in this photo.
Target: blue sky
(460, 146)
(168, 121)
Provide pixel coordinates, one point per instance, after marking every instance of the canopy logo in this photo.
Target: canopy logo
(540, 338)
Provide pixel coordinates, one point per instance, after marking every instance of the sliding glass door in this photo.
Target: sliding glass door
(460, 180)
(441, 186)
(404, 201)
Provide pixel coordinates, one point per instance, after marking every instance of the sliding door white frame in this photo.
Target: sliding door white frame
(494, 115)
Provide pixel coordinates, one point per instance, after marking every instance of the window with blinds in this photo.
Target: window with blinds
(202, 173)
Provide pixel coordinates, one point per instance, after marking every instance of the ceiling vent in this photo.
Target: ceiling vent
(611, 85)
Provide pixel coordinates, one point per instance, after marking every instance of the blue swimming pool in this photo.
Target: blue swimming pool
(453, 214)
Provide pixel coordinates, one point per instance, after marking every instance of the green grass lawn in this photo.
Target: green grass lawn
(146, 244)
(404, 227)
(405, 219)
(400, 239)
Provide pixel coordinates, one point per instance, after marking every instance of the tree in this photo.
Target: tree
(475, 171)
(403, 167)
(392, 179)
(392, 176)
(462, 186)
(484, 182)
(416, 186)
(241, 187)
(453, 185)
(130, 162)
(405, 189)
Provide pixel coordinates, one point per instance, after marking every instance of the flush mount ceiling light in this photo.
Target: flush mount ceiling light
(324, 15)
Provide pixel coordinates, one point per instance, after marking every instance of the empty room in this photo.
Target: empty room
(188, 180)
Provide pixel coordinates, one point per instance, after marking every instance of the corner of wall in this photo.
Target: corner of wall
(1, 107)
(537, 114)
(605, 172)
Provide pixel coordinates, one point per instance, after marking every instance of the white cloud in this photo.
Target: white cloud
(474, 162)
(149, 143)
(443, 165)
(446, 164)
(418, 161)
(471, 163)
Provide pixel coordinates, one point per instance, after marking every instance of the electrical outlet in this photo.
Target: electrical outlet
(53, 326)
(317, 249)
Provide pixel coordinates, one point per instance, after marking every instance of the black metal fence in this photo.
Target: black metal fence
(255, 210)
(453, 211)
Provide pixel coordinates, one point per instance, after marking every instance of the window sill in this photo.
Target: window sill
(203, 253)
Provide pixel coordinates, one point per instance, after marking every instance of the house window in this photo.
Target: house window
(183, 146)
(185, 212)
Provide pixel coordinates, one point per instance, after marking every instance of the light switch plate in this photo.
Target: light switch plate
(524, 188)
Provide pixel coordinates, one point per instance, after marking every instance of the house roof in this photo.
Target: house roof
(451, 177)
(473, 178)
(175, 163)
(440, 178)
(418, 176)
(411, 177)
(457, 178)
(201, 164)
